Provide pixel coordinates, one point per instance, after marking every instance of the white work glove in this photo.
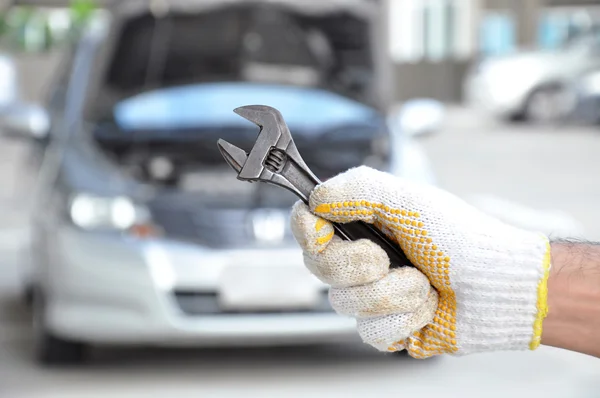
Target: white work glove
(479, 285)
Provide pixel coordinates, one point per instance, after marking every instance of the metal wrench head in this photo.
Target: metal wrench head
(274, 133)
(273, 150)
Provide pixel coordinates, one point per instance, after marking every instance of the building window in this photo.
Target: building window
(406, 31)
(432, 30)
(557, 25)
(497, 33)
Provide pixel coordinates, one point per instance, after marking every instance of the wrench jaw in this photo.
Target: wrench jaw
(260, 115)
(234, 156)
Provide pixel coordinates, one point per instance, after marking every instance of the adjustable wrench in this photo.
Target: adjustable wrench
(274, 159)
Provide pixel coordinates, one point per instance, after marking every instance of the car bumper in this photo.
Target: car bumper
(108, 289)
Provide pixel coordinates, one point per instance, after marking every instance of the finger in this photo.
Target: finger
(336, 262)
(348, 263)
(402, 290)
(312, 233)
(386, 333)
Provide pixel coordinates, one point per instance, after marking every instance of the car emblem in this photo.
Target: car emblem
(268, 226)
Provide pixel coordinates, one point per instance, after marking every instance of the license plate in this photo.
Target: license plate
(263, 288)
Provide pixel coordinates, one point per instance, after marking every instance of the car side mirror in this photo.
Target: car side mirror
(419, 117)
(22, 120)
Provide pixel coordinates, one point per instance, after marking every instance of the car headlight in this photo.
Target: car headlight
(97, 212)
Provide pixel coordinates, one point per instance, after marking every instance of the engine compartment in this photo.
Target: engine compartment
(159, 159)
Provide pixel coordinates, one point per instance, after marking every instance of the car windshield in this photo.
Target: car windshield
(205, 106)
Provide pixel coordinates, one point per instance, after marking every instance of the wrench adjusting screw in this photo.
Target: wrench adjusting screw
(275, 160)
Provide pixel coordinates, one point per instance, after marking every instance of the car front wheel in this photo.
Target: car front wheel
(51, 350)
(549, 104)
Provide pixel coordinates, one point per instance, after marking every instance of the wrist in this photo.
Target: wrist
(573, 320)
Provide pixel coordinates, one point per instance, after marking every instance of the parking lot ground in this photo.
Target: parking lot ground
(543, 168)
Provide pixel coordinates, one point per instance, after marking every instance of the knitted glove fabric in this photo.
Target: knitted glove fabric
(479, 284)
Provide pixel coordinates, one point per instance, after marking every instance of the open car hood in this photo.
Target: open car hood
(331, 45)
(363, 8)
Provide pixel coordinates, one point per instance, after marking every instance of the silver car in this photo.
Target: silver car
(532, 85)
(141, 235)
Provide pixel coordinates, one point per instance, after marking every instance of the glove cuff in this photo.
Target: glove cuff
(507, 310)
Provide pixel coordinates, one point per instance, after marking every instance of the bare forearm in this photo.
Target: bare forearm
(573, 320)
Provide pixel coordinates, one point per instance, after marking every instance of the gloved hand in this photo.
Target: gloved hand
(479, 284)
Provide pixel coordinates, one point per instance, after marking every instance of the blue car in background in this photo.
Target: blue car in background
(140, 234)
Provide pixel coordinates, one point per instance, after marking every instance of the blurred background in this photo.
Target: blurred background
(133, 263)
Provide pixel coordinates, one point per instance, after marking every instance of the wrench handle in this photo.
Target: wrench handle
(360, 230)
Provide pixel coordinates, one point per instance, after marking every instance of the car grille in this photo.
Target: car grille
(219, 227)
(200, 303)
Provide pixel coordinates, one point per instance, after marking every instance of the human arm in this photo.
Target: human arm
(478, 284)
(573, 320)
